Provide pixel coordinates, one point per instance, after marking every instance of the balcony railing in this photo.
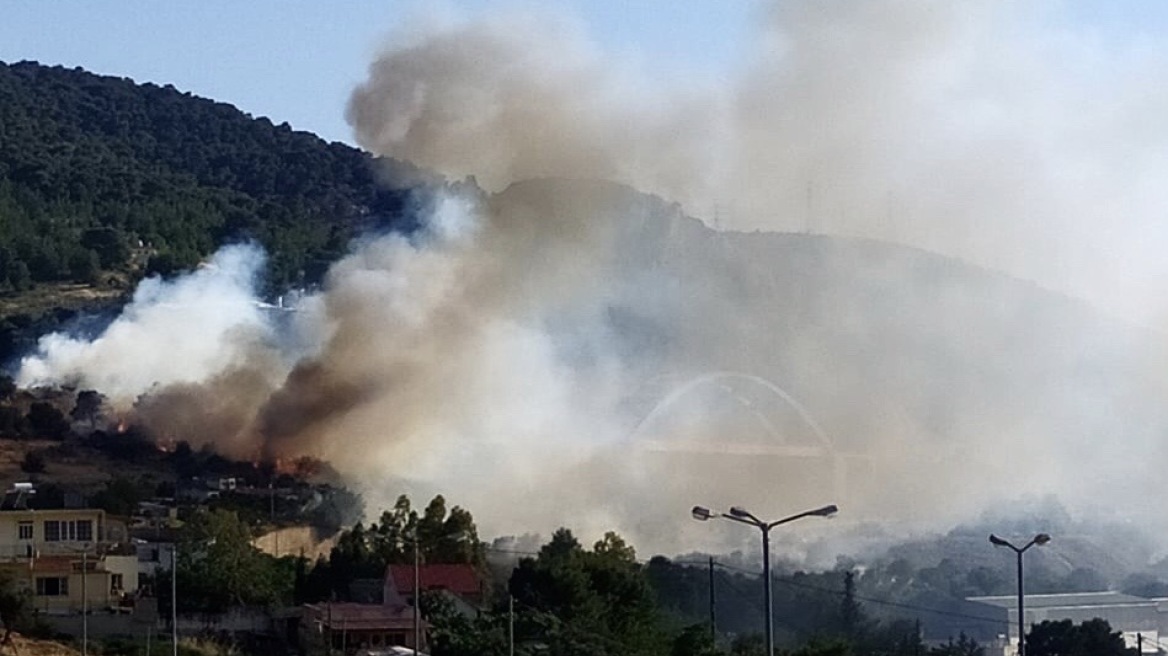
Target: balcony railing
(28, 550)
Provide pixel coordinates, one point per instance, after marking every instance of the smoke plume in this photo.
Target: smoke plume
(558, 350)
(979, 130)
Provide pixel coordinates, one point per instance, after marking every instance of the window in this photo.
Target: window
(24, 530)
(116, 583)
(52, 586)
(80, 530)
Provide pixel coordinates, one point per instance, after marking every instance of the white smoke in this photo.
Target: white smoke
(494, 356)
(183, 331)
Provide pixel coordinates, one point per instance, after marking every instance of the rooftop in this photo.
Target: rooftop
(358, 617)
(1066, 600)
(459, 579)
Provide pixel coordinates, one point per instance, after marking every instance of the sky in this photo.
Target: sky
(298, 60)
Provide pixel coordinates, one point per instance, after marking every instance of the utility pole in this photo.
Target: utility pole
(713, 614)
(84, 602)
(1140, 643)
(174, 572)
(417, 598)
(174, 596)
(807, 227)
(510, 625)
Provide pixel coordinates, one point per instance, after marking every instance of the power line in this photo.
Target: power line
(873, 600)
(807, 586)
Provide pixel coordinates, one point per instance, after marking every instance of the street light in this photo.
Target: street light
(1040, 539)
(743, 516)
(174, 597)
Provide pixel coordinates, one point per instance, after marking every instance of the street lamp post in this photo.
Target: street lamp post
(1040, 539)
(743, 516)
(174, 597)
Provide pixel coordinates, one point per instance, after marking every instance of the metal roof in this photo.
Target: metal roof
(1066, 600)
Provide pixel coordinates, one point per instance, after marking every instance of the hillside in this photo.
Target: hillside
(103, 181)
(938, 388)
(941, 387)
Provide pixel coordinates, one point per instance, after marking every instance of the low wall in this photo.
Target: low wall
(107, 625)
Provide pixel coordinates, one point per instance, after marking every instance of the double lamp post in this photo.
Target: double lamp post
(1040, 539)
(743, 516)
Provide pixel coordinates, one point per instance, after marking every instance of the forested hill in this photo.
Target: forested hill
(103, 180)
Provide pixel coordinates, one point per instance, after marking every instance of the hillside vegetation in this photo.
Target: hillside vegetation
(91, 165)
(103, 180)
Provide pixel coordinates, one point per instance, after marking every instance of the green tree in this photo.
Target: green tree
(454, 634)
(15, 606)
(12, 422)
(46, 421)
(364, 551)
(964, 646)
(599, 601)
(851, 614)
(825, 647)
(753, 644)
(219, 567)
(107, 244)
(7, 387)
(694, 640)
(1064, 638)
(121, 496)
(87, 406)
(33, 463)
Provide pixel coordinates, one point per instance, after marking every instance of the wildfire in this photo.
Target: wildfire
(302, 468)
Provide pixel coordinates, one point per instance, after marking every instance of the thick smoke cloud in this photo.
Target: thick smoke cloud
(546, 352)
(170, 333)
(1005, 134)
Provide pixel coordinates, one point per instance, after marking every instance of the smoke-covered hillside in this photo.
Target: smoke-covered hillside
(942, 387)
(579, 345)
(576, 347)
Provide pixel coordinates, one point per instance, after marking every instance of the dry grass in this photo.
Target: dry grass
(21, 646)
(45, 297)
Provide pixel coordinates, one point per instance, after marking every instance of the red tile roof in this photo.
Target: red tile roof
(462, 580)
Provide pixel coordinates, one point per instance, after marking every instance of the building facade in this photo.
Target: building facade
(66, 557)
(1140, 620)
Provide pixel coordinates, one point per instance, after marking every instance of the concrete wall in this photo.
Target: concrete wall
(295, 540)
(102, 625)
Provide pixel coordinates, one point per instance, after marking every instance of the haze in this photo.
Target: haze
(481, 358)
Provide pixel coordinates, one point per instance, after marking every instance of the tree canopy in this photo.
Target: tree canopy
(103, 180)
(1065, 638)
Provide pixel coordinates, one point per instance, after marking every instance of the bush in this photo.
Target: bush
(33, 463)
(45, 420)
